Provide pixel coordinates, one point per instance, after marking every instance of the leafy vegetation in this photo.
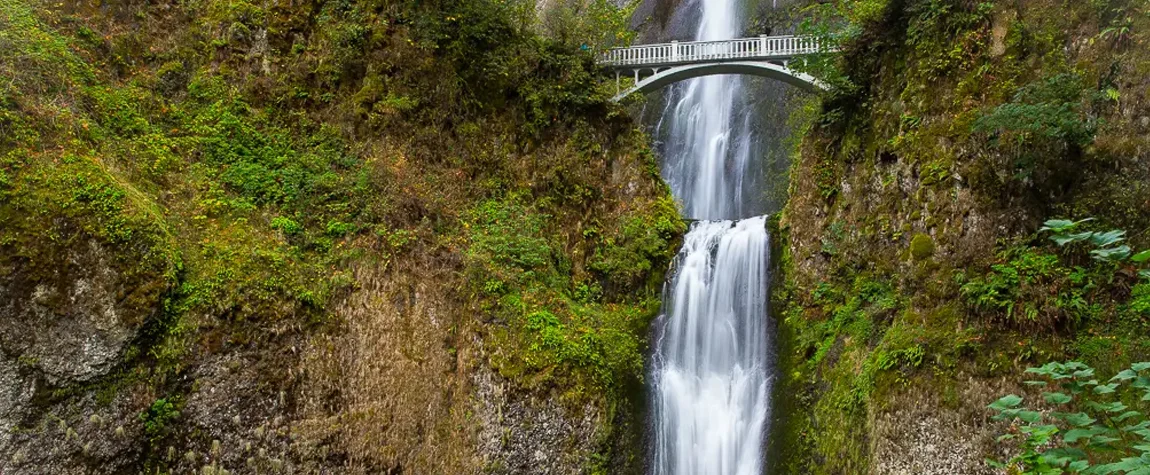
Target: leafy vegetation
(158, 419)
(1042, 131)
(963, 125)
(1033, 287)
(594, 25)
(560, 325)
(1050, 109)
(243, 163)
(1107, 247)
(1089, 428)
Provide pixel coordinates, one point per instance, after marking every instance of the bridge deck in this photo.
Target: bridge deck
(762, 48)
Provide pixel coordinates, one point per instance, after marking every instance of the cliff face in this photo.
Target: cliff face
(917, 287)
(373, 237)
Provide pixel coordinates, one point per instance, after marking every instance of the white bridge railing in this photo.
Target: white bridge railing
(761, 47)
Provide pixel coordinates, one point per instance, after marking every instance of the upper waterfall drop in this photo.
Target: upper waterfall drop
(707, 152)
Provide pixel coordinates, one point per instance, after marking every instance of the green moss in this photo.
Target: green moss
(55, 207)
(1002, 126)
(244, 182)
(640, 249)
(557, 329)
(921, 247)
(158, 419)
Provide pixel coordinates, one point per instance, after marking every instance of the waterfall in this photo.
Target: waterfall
(708, 160)
(712, 359)
(711, 367)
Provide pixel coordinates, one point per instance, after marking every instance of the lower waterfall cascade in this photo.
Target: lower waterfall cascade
(712, 360)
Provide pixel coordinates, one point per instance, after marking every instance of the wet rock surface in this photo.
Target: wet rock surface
(84, 436)
(73, 324)
(65, 324)
(521, 434)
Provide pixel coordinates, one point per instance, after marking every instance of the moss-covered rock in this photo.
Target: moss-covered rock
(271, 238)
(957, 130)
(921, 247)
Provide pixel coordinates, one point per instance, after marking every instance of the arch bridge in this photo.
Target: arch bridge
(656, 65)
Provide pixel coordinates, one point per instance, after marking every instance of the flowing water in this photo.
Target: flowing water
(707, 152)
(712, 360)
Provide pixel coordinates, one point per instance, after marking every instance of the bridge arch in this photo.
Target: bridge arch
(764, 56)
(664, 77)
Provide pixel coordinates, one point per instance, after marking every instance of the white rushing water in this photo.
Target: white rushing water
(712, 360)
(707, 149)
(711, 367)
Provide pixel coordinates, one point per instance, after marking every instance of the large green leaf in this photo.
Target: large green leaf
(1056, 398)
(1030, 416)
(1124, 375)
(1006, 402)
(1059, 225)
(1111, 254)
(1084, 373)
(1074, 435)
(1130, 465)
(1141, 256)
(1127, 415)
(1079, 419)
(1058, 457)
(1103, 439)
(1142, 366)
(1063, 239)
(1113, 406)
(1108, 238)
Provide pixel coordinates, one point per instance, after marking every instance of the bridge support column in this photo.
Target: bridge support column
(674, 51)
(763, 44)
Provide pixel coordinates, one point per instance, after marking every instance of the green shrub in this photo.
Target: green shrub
(1107, 245)
(1041, 131)
(640, 248)
(1018, 288)
(1139, 304)
(158, 419)
(507, 243)
(337, 228)
(594, 24)
(1032, 287)
(1048, 109)
(287, 225)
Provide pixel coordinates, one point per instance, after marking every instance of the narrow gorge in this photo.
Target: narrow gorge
(657, 237)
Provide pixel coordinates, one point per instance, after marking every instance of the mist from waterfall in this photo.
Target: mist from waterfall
(712, 358)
